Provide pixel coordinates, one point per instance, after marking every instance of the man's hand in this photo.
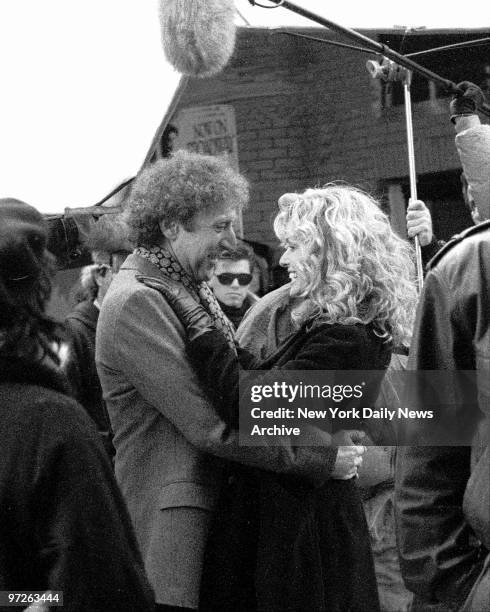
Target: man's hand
(349, 454)
(419, 222)
(191, 314)
(467, 101)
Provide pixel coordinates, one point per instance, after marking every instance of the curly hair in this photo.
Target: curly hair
(178, 188)
(26, 331)
(354, 268)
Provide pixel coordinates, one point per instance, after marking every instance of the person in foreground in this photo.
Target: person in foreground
(277, 543)
(443, 492)
(63, 522)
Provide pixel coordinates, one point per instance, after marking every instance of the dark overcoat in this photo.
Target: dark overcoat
(278, 543)
(63, 523)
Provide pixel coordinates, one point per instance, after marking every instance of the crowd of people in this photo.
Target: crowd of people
(123, 482)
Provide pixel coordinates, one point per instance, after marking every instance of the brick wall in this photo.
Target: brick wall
(308, 113)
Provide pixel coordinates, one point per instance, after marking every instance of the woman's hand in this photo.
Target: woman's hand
(349, 454)
(191, 314)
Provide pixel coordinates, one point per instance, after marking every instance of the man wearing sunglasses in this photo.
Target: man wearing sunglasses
(231, 281)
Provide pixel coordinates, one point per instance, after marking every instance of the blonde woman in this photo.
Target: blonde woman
(279, 544)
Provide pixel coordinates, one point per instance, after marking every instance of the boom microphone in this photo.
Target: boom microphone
(198, 36)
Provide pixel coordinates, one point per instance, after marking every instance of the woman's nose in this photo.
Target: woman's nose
(284, 259)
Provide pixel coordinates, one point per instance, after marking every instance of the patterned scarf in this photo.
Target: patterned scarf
(168, 264)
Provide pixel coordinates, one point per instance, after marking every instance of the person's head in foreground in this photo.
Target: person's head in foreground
(26, 270)
(233, 275)
(188, 204)
(344, 258)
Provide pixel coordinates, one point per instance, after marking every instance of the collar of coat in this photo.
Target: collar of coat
(16, 370)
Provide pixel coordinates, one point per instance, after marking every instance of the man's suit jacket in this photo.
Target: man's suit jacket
(170, 443)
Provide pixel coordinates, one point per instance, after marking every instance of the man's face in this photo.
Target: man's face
(231, 294)
(198, 249)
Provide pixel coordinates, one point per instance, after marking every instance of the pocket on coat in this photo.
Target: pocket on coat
(187, 494)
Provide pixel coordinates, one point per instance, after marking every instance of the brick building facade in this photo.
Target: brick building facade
(308, 112)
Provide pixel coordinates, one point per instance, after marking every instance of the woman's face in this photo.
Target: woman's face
(291, 259)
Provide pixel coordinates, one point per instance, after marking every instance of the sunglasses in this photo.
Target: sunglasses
(227, 278)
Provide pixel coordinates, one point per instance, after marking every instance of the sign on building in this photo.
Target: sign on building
(207, 129)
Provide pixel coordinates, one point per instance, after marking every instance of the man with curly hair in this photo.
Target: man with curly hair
(170, 442)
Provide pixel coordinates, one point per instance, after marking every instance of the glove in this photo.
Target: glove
(467, 101)
(191, 314)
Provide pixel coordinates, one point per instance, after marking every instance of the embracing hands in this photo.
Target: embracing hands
(349, 454)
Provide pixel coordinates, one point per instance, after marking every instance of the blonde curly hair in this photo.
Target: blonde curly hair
(354, 268)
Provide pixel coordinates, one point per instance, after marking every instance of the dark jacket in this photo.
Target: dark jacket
(63, 522)
(430, 250)
(80, 368)
(442, 492)
(235, 314)
(278, 543)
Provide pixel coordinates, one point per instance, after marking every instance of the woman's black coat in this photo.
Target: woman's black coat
(279, 544)
(63, 522)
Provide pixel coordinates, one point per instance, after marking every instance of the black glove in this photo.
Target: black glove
(467, 101)
(191, 314)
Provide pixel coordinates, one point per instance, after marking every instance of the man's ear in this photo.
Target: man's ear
(170, 230)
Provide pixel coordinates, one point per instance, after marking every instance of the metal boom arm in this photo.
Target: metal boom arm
(375, 46)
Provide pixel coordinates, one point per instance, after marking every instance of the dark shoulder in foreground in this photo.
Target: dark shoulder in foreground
(34, 398)
(456, 240)
(39, 411)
